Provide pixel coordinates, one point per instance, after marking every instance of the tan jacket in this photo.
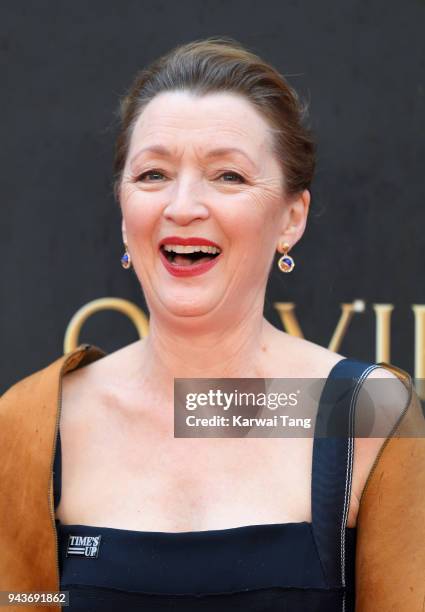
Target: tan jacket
(390, 557)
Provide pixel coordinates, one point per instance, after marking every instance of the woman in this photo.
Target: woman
(213, 171)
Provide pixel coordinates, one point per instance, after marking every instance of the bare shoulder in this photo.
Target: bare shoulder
(97, 384)
(295, 357)
(385, 395)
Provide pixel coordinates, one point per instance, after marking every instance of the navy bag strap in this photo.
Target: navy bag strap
(332, 465)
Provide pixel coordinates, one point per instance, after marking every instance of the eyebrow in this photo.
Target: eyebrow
(218, 152)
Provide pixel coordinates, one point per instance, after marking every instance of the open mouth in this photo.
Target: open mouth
(189, 256)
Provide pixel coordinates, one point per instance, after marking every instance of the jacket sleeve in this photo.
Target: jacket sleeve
(390, 553)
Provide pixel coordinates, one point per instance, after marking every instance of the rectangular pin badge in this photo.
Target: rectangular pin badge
(83, 546)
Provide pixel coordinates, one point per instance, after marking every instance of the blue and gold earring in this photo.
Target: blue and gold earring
(285, 263)
(126, 259)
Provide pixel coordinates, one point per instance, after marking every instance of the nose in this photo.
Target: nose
(186, 202)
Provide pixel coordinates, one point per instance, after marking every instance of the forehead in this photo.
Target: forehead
(223, 119)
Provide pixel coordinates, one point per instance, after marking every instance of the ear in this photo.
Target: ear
(295, 218)
(123, 231)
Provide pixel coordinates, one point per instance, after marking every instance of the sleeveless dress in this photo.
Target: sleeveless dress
(285, 567)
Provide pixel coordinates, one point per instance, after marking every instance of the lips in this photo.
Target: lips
(186, 262)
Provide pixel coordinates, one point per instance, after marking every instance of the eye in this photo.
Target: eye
(153, 172)
(236, 178)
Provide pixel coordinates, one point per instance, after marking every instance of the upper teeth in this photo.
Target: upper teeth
(179, 248)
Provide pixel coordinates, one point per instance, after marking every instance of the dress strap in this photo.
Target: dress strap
(332, 465)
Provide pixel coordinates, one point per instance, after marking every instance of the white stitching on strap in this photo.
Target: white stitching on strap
(349, 470)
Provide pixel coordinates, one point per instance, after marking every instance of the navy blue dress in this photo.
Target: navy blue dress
(286, 567)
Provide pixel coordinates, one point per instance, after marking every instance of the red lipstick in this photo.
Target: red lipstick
(193, 269)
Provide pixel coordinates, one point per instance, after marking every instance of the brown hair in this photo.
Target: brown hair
(218, 64)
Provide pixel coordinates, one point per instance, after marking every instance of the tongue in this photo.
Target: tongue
(184, 260)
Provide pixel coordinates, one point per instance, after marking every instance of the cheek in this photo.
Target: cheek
(140, 210)
(253, 213)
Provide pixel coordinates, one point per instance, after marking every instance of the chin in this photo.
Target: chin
(179, 305)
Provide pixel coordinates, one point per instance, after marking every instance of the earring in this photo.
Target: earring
(126, 259)
(285, 263)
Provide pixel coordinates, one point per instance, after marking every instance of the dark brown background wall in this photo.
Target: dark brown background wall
(63, 67)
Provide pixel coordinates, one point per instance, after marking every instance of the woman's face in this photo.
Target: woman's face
(184, 179)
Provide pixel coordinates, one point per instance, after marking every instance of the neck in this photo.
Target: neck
(234, 350)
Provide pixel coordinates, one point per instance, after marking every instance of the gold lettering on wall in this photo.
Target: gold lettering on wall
(290, 324)
(288, 318)
(383, 332)
(419, 314)
(129, 309)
